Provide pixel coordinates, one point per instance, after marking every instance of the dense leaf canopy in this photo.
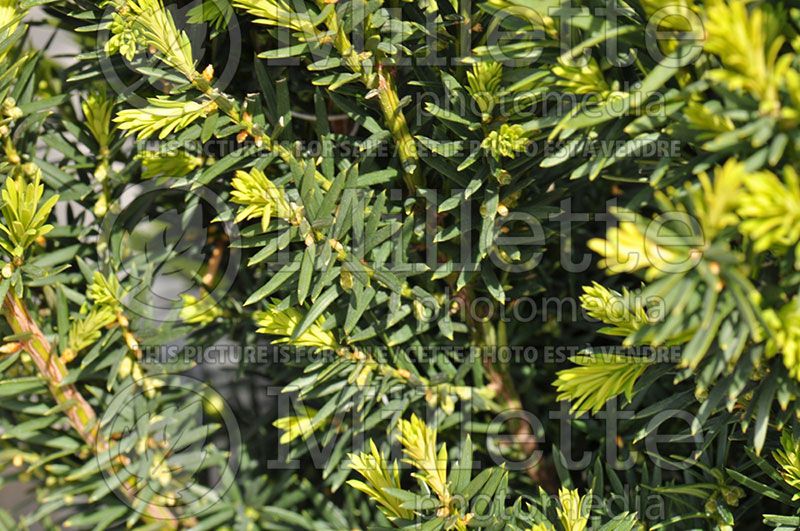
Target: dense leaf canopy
(428, 264)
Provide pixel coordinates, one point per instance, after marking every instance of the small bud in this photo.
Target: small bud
(10, 348)
(337, 246)
(242, 136)
(431, 397)
(420, 311)
(160, 471)
(10, 109)
(130, 340)
(101, 172)
(346, 280)
(125, 367)
(503, 177)
(18, 460)
(100, 206)
(136, 371)
(7, 271)
(141, 445)
(208, 73)
(454, 307)
(68, 355)
(711, 506)
(30, 169)
(447, 403)
(213, 403)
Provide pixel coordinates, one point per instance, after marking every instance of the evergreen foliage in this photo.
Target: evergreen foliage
(362, 200)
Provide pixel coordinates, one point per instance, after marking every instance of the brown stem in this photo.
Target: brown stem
(79, 412)
(214, 261)
(484, 335)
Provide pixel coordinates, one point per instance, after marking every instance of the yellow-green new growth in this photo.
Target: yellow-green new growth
(484, 82)
(419, 446)
(673, 15)
(379, 478)
(582, 79)
(770, 210)
(162, 116)
(148, 22)
(505, 142)
(10, 17)
(295, 426)
(282, 323)
(748, 42)
(170, 164)
(24, 214)
(260, 198)
(627, 249)
(105, 291)
(281, 14)
(715, 201)
(85, 331)
(788, 458)
(125, 37)
(381, 84)
(705, 122)
(597, 378)
(199, 311)
(98, 110)
(623, 315)
(785, 339)
(573, 512)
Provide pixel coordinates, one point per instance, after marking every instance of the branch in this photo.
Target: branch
(382, 84)
(483, 334)
(80, 413)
